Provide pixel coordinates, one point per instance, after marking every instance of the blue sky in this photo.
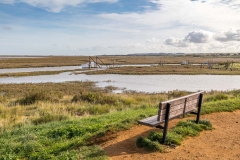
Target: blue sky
(97, 27)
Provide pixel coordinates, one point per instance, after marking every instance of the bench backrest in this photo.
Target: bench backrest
(179, 106)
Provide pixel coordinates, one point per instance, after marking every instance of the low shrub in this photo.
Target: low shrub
(32, 98)
(176, 94)
(171, 138)
(98, 109)
(48, 118)
(96, 98)
(150, 145)
(216, 97)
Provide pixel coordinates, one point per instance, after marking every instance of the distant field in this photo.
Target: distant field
(52, 61)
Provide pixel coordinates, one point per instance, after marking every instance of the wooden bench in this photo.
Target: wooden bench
(174, 108)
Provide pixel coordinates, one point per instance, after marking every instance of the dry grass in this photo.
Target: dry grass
(169, 69)
(52, 61)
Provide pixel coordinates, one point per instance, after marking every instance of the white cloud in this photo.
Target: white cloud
(203, 41)
(198, 37)
(192, 37)
(177, 42)
(231, 35)
(56, 5)
(153, 40)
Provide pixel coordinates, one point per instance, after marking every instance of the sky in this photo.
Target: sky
(114, 27)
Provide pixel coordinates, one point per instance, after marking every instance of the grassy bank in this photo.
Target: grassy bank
(57, 121)
(170, 69)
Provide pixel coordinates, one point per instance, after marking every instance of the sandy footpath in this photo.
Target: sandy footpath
(222, 143)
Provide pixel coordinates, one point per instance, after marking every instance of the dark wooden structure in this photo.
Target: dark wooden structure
(174, 108)
(96, 62)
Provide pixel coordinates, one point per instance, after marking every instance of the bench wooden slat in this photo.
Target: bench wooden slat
(178, 109)
(150, 121)
(180, 100)
(180, 106)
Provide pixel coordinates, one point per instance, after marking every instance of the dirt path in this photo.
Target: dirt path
(222, 143)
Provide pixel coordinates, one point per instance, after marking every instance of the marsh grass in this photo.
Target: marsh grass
(48, 61)
(21, 74)
(175, 136)
(48, 102)
(55, 125)
(53, 61)
(168, 69)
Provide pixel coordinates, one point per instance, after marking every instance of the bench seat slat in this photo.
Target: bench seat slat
(150, 121)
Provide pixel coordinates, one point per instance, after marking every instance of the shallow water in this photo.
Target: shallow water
(19, 70)
(143, 83)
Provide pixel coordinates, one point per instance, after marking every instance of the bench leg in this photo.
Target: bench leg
(199, 108)
(166, 123)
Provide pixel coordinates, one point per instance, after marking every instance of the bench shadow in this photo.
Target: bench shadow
(127, 146)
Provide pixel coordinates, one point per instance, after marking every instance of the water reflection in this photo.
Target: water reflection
(19, 70)
(143, 83)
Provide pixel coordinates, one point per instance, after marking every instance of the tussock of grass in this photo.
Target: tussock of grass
(175, 136)
(149, 144)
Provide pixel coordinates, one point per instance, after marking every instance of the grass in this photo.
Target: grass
(53, 61)
(175, 136)
(58, 138)
(48, 61)
(168, 69)
(58, 120)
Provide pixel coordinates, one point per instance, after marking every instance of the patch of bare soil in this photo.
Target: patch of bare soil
(222, 143)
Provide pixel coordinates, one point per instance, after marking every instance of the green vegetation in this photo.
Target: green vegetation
(56, 139)
(62, 120)
(175, 136)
